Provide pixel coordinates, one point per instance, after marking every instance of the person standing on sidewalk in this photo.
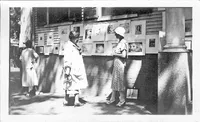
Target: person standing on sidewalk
(28, 59)
(120, 55)
(74, 70)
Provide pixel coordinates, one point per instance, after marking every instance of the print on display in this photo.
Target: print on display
(87, 48)
(136, 48)
(152, 43)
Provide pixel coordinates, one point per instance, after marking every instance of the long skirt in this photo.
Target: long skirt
(118, 82)
(29, 77)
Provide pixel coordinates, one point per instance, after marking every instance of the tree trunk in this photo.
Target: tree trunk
(25, 28)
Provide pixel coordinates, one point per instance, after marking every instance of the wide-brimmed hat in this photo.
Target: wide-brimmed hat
(120, 31)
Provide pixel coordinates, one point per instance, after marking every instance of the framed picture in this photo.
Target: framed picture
(188, 27)
(188, 43)
(132, 94)
(109, 47)
(138, 29)
(41, 39)
(63, 32)
(56, 48)
(99, 31)
(126, 24)
(99, 48)
(110, 35)
(50, 38)
(47, 50)
(40, 49)
(87, 49)
(79, 29)
(152, 43)
(87, 33)
(136, 47)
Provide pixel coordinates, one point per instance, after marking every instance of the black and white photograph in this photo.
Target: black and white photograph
(54, 73)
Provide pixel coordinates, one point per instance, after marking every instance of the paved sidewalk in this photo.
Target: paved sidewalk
(51, 104)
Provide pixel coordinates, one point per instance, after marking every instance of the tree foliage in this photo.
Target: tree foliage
(15, 14)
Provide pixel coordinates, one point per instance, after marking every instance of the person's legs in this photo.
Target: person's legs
(76, 101)
(112, 99)
(66, 98)
(121, 98)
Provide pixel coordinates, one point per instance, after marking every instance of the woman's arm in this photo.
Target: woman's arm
(122, 55)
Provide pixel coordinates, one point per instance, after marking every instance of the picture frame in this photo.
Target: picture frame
(50, 38)
(188, 43)
(40, 39)
(63, 32)
(48, 49)
(87, 49)
(99, 48)
(56, 48)
(40, 49)
(110, 35)
(87, 38)
(188, 27)
(126, 24)
(109, 47)
(138, 29)
(99, 31)
(152, 43)
(79, 29)
(136, 47)
(132, 93)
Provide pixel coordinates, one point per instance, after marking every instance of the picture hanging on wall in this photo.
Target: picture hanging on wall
(63, 32)
(79, 29)
(40, 49)
(99, 48)
(87, 33)
(132, 93)
(138, 29)
(110, 35)
(126, 25)
(50, 38)
(136, 47)
(56, 48)
(41, 39)
(98, 31)
(152, 42)
(188, 28)
(46, 50)
(87, 48)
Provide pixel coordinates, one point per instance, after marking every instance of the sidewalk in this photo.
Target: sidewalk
(51, 104)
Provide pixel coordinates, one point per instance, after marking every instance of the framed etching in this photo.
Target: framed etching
(41, 39)
(50, 38)
(87, 49)
(126, 24)
(79, 29)
(110, 35)
(109, 47)
(132, 94)
(152, 42)
(136, 47)
(99, 48)
(87, 33)
(138, 29)
(98, 31)
(188, 27)
(56, 48)
(63, 32)
(40, 49)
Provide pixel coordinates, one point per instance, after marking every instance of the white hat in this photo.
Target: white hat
(120, 31)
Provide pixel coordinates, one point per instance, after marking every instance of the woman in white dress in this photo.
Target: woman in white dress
(28, 59)
(74, 69)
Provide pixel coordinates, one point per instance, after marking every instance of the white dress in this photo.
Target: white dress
(29, 76)
(73, 59)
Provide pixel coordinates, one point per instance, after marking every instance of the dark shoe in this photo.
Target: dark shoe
(110, 102)
(65, 103)
(120, 104)
(78, 104)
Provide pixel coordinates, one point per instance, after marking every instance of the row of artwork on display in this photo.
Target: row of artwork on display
(150, 45)
(99, 38)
